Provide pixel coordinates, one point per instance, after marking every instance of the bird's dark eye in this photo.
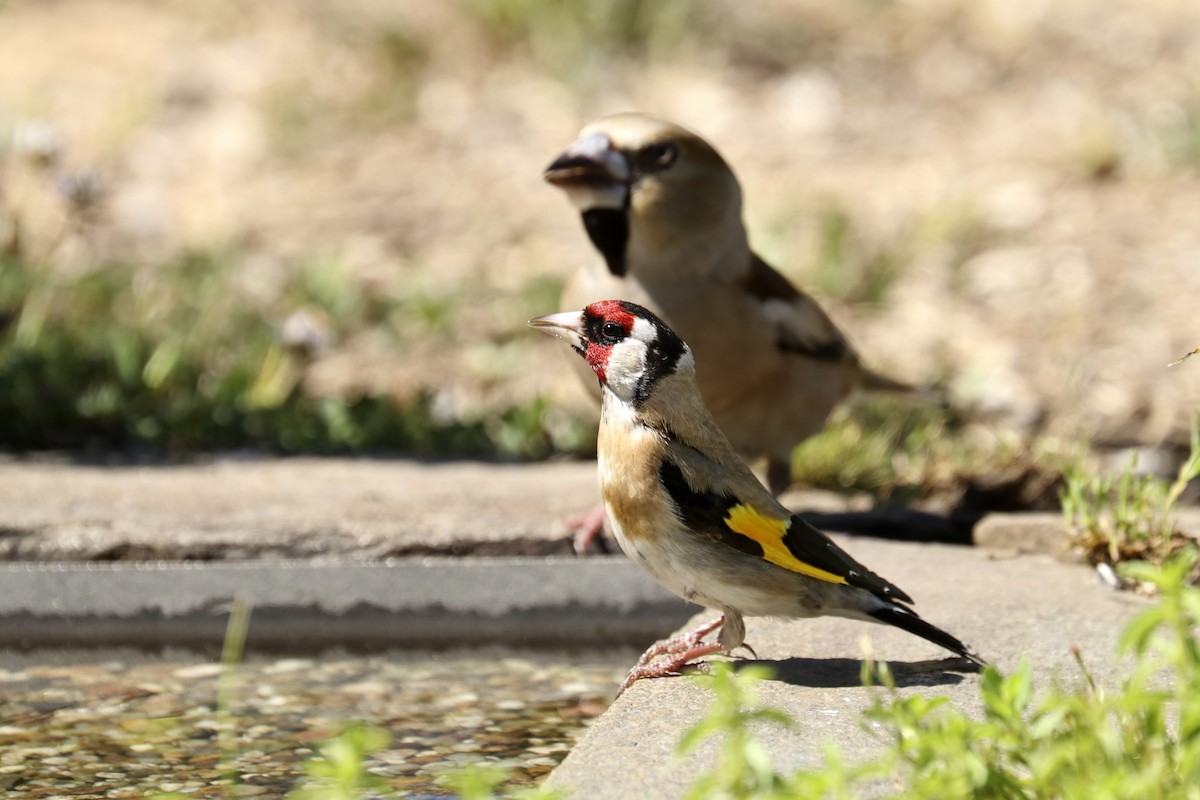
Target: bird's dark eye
(655, 157)
(613, 331)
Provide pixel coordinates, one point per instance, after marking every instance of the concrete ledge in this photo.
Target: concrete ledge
(1045, 532)
(427, 603)
(1008, 608)
(1026, 532)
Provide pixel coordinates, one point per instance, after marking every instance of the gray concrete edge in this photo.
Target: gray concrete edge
(306, 605)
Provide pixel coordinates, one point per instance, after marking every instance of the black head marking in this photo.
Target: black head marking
(608, 228)
(662, 354)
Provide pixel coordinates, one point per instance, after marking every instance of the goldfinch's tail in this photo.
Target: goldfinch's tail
(903, 618)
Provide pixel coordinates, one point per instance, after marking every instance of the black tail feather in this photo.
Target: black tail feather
(903, 618)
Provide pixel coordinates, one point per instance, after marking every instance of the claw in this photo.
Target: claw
(748, 648)
(681, 649)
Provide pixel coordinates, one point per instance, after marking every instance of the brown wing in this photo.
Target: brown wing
(802, 326)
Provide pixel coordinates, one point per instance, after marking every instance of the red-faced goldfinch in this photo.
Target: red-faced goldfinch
(665, 212)
(684, 506)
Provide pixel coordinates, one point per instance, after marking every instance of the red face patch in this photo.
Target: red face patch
(599, 347)
(611, 311)
(596, 356)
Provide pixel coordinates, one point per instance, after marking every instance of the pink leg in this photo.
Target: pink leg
(588, 527)
(681, 649)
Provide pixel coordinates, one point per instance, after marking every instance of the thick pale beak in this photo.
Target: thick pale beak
(592, 172)
(567, 325)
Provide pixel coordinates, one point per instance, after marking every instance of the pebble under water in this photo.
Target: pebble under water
(126, 725)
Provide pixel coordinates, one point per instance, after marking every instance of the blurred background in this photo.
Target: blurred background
(302, 226)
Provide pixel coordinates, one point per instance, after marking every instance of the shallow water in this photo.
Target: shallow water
(121, 724)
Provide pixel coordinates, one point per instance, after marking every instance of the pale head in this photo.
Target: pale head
(657, 200)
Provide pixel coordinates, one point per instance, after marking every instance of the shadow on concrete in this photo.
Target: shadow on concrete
(844, 673)
(900, 524)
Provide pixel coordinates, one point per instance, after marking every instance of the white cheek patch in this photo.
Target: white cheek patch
(626, 363)
(643, 330)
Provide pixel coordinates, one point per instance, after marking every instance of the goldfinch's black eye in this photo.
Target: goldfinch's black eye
(612, 331)
(655, 157)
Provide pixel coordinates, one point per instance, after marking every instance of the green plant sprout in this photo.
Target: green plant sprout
(233, 649)
(228, 684)
(1126, 516)
(743, 768)
(485, 782)
(340, 772)
(1138, 739)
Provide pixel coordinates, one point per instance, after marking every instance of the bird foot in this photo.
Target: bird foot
(678, 649)
(588, 527)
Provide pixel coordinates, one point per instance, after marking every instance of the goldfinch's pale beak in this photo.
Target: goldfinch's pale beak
(592, 172)
(567, 325)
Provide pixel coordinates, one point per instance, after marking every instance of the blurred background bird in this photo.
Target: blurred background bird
(664, 211)
(687, 509)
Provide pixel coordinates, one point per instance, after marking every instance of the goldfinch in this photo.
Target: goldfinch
(665, 212)
(685, 507)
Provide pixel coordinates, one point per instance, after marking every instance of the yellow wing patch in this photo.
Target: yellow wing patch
(769, 533)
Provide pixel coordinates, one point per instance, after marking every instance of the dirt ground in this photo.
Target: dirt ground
(1023, 174)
